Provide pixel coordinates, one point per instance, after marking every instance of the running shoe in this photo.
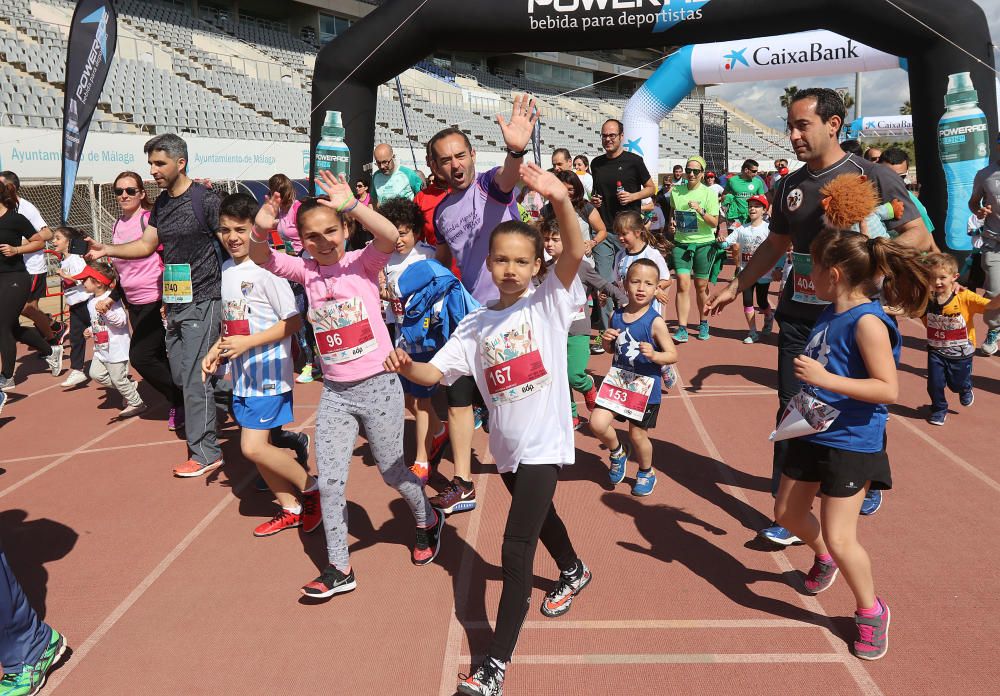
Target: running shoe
(990, 344)
(301, 449)
(703, 334)
(967, 398)
(55, 360)
(779, 535)
(437, 446)
(330, 582)
(192, 468)
(306, 376)
(285, 519)
(60, 330)
(871, 503)
(422, 471)
(130, 411)
(768, 326)
(481, 418)
(821, 576)
(428, 541)
(938, 418)
(6, 384)
(74, 378)
(873, 634)
(312, 511)
(260, 484)
(751, 337)
(645, 482)
(175, 419)
(3, 400)
(31, 678)
(681, 335)
(597, 345)
(487, 680)
(558, 601)
(590, 398)
(577, 423)
(618, 465)
(457, 497)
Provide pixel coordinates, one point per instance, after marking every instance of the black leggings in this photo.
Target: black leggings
(14, 290)
(148, 353)
(762, 302)
(532, 517)
(79, 321)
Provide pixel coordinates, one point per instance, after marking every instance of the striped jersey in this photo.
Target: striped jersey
(253, 300)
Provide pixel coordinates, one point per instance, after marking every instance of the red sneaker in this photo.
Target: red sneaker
(280, 522)
(312, 514)
(437, 446)
(590, 398)
(191, 468)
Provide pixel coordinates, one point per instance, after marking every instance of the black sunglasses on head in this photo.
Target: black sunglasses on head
(130, 190)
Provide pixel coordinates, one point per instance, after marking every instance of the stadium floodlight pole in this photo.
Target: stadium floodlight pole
(406, 121)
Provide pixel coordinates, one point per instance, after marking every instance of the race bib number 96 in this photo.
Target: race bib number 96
(343, 332)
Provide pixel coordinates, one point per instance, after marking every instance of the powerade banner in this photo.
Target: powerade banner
(594, 15)
(93, 34)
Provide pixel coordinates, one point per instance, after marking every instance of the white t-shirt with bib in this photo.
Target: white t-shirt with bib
(109, 331)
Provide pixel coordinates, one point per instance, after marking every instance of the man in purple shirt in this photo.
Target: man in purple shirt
(463, 222)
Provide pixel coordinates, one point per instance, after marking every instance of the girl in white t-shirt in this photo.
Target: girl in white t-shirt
(637, 243)
(515, 349)
(76, 297)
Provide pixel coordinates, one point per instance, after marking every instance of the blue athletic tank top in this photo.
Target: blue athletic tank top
(627, 355)
(860, 427)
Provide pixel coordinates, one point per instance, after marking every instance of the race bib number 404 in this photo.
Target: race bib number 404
(177, 283)
(804, 290)
(513, 366)
(625, 393)
(343, 332)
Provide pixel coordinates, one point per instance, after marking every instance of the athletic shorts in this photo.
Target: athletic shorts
(464, 392)
(696, 261)
(39, 284)
(840, 473)
(648, 418)
(263, 412)
(419, 391)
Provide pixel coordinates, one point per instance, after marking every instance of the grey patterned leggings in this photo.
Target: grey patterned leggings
(377, 404)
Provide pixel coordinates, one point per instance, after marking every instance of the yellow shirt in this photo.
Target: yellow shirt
(950, 328)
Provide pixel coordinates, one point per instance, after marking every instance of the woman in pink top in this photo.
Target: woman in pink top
(141, 281)
(346, 313)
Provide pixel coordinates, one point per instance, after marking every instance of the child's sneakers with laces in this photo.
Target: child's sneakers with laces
(428, 541)
(74, 378)
(312, 512)
(619, 461)
(873, 633)
(681, 335)
(703, 331)
(486, 680)
(768, 326)
(31, 678)
(751, 337)
(990, 345)
(558, 601)
(306, 376)
(645, 482)
(821, 575)
(285, 519)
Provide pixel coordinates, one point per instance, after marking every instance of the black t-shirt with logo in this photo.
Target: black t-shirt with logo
(14, 229)
(797, 211)
(628, 168)
(186, 241)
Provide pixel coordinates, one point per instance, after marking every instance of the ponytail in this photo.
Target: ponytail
(8, 196)
(630, 220)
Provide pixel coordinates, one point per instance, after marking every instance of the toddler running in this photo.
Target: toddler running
(744, 240)
(75, 297)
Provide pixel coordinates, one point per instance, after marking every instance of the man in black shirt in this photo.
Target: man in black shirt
(815, 117)
(614, 167)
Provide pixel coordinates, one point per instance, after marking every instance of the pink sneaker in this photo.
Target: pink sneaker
(175, 420)
(821, 576)
(873, 634)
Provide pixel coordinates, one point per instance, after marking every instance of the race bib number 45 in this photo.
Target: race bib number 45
(343, 332)
(177, 283)
(513, 366)
(625, 393)
(947, 331)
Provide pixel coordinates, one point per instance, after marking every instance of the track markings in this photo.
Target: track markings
(670, 659)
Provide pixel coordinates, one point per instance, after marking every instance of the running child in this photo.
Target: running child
(258, 320)
(515, 349)
(744, 240)
(112, 341)
(345, 311)
(578, 343)
(631, 391)
(431, 433)
(951, 335)
(638, 243)
(76, 298)
(848, 375)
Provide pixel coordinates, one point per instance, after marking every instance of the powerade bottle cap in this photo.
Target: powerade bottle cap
(334, 127)
(960, 90)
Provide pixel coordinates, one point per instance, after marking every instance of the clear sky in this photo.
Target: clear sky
(882, 92)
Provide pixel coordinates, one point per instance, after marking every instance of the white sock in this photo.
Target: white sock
(297, 510)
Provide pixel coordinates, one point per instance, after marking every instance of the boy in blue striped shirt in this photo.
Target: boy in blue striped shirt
(258, 319)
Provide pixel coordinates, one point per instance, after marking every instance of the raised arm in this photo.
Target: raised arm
(546, 183)
(266, 220)
(516, 135)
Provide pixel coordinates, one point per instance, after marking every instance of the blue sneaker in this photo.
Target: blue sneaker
(481, 418)
(618, 464)
(871, 503)
(938, 418)
(967, 398)
(779, 535)
(989, 346)
(703, 331)
(681, 335)
(645, 482)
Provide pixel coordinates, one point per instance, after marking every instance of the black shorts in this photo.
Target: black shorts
(648, 418)
(39, 284)
(464, 392)
(840, 473)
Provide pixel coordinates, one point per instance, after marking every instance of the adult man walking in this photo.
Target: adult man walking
(985, 203)
(184, 219)
(815, 117)
(742, 188)
(392, 180)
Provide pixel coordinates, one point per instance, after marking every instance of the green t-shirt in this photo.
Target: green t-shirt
(691, 227)
(402, 183)
(742, 190)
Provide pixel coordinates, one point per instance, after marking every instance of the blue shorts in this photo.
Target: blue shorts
(418, 391)
(263, 412)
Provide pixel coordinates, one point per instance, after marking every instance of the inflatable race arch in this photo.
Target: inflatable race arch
(399, 33)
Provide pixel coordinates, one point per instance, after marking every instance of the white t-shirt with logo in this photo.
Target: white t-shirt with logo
(35, 261)
(73, 290)
(254, 300)
(749, 238)
(517, 356)
(109, 331)
(398, 263)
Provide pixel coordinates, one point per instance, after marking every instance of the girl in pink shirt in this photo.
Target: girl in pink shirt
(352, 340)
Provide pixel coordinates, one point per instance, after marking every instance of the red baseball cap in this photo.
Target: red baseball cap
(709, 173)
(758, 199)
(90, 272)
(783, 171)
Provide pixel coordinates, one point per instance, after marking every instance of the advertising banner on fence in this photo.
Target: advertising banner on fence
(93, 35)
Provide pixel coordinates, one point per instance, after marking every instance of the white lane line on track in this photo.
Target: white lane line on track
(671, 659)
(652, 624)
(899, 420)
(865, 683)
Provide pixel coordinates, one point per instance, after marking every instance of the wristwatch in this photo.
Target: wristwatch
(517, 154)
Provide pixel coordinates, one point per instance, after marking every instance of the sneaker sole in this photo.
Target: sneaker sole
(461, 506)
(879, 656)
(277, 531)
(339, 589)
(565, 607)
(836, 572)
(437, 544)
(201, 472)
(60, 651)
(643, 495)
(781, 542)
(938, 423)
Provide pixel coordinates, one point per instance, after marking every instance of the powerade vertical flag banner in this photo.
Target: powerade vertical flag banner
(93, 35)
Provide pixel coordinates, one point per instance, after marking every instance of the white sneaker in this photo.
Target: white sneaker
(55, 360)
(74, 378)
(990, 345)
(6, 385)
(130, 411)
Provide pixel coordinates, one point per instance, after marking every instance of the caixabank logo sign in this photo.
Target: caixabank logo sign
(594, 15)
(814, 52)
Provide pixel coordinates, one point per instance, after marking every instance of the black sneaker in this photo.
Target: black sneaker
(428, 541)
(301, 448)
(329, 583)
(487, 680)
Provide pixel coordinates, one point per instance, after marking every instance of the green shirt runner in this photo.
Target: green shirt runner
(742, 190)
(691, 228)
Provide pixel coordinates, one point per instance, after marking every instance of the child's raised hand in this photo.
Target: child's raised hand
(545, 183)
(661, 295)
(809, 371)
(397, 361)
(337, 188)
(647, 350)
(267, 216)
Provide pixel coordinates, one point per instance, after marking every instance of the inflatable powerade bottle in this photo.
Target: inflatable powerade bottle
(332, 153)
(963, 143)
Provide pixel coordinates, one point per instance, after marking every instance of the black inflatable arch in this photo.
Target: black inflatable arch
(506, 26)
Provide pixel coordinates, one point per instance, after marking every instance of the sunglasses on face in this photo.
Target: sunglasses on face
(130, 190)
(689, 170)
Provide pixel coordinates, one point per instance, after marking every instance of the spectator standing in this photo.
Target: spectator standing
(392, 180)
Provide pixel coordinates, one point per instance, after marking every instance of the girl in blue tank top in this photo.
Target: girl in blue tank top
(641, 345)
(836, 423)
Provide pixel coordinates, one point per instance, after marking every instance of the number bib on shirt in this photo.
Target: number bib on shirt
(804, 415)
(625, 393)
(686, 221)
(804, 291)
(177, 283)
(396, 305)
(513, 365)
(745, 257)
(947, 331)
(234, 319)
(101, 336)
(343, 332)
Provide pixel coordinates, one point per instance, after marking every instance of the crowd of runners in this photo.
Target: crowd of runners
(500, 285)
